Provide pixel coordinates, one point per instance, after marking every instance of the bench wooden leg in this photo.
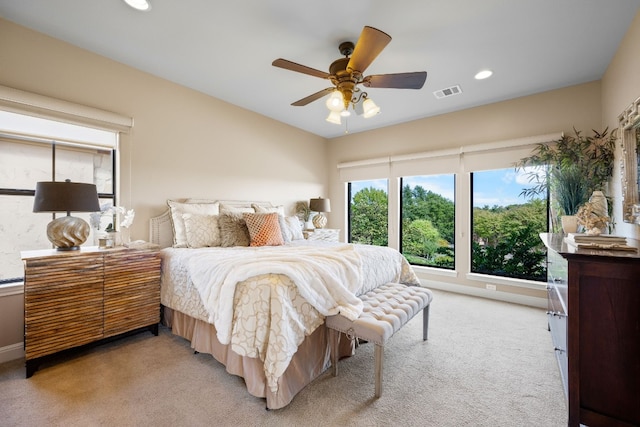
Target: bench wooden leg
(425, 323)
(379, 355)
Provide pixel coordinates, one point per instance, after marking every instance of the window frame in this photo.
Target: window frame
(466, 159)
(53, 146)
(400, 222)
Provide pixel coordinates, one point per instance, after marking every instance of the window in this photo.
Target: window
(27, 159)
(506, 226)
(428, 220)
(368, 212)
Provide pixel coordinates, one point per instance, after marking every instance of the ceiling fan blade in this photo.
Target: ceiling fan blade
(288, 65)
(369, 46)
(309, 99)
(397, 81)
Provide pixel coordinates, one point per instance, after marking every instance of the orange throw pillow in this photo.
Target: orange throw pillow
(264, 229)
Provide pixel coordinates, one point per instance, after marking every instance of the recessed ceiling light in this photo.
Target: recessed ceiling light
(142, 5)
(484, 74)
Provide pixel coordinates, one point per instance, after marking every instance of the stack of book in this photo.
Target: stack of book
(602, 241)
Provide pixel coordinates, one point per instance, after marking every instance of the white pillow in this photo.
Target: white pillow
(202, 230)
(235, 210)
(295, 227)
(179, 208)
(284, 229)
(263, 209)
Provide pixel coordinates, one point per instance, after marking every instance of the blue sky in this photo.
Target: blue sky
(495, 187)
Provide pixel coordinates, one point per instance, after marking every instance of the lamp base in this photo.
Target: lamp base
(67, 233)
(70, 248)
(319, 221)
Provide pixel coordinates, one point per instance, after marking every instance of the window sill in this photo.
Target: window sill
(497, 280)
(435, 271)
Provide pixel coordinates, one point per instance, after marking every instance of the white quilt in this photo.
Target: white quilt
(327, 277)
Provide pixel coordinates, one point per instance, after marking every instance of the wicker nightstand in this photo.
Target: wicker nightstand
(79, 297)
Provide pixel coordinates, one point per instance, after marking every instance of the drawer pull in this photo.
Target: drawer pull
(556, 313)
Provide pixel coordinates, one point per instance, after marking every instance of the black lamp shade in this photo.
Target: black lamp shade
(66, 196)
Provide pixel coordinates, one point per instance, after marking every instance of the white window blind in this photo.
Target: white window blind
(501, 154)
(19, 101)
(20, 126)
(431, 163)
(364, 170)
(465, 159)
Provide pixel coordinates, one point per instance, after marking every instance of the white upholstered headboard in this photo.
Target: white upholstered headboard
(161, 231)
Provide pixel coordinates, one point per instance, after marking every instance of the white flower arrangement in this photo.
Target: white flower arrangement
(113, 213)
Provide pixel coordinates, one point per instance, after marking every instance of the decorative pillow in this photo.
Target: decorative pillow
(264, 229)
(284, 228)
(202, 230)
(263, 209)
(179, 208)
(286, 233)
(233, 230)
(229, 209)
(295, 227)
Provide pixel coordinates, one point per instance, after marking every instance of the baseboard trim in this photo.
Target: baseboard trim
(9, 289)
(11, 352)
(483, 293)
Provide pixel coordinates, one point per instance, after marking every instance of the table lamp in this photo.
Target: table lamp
(319, 205)
(67, 232)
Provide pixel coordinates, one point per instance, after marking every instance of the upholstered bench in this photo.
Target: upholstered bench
(386, 309)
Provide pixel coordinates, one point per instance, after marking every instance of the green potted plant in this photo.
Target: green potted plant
(570, 170)
(304, 213)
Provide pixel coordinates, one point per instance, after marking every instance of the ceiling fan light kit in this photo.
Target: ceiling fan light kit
(335, 102)
(334, 117)
(347, 73)
(370, 108)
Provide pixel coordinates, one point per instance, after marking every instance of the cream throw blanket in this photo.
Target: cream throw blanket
(327, 277)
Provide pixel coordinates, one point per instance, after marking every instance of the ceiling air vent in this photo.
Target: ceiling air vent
(447, 92)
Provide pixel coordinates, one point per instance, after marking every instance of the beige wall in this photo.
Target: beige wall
(620, 87)
(11, 324)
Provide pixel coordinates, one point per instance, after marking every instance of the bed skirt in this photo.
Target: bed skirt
(311, 359)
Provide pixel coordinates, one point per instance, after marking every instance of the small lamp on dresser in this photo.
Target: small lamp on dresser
(66, 232)
(320, 205)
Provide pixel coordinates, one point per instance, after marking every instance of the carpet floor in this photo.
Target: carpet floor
(486, 363)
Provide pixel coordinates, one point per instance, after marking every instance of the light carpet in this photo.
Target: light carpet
(486, 363)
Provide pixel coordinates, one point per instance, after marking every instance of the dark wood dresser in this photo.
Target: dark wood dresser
(594, 318)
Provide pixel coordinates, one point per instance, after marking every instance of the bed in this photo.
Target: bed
(259, 308)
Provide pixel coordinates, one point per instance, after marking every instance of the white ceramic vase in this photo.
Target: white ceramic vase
(569, 223)
(599, 201)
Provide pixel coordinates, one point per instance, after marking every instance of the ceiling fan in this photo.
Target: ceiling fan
(347, 73)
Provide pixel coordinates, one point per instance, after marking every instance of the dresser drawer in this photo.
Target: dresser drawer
(558, 327)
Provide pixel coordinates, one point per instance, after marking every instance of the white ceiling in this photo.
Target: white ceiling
(225, 48)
